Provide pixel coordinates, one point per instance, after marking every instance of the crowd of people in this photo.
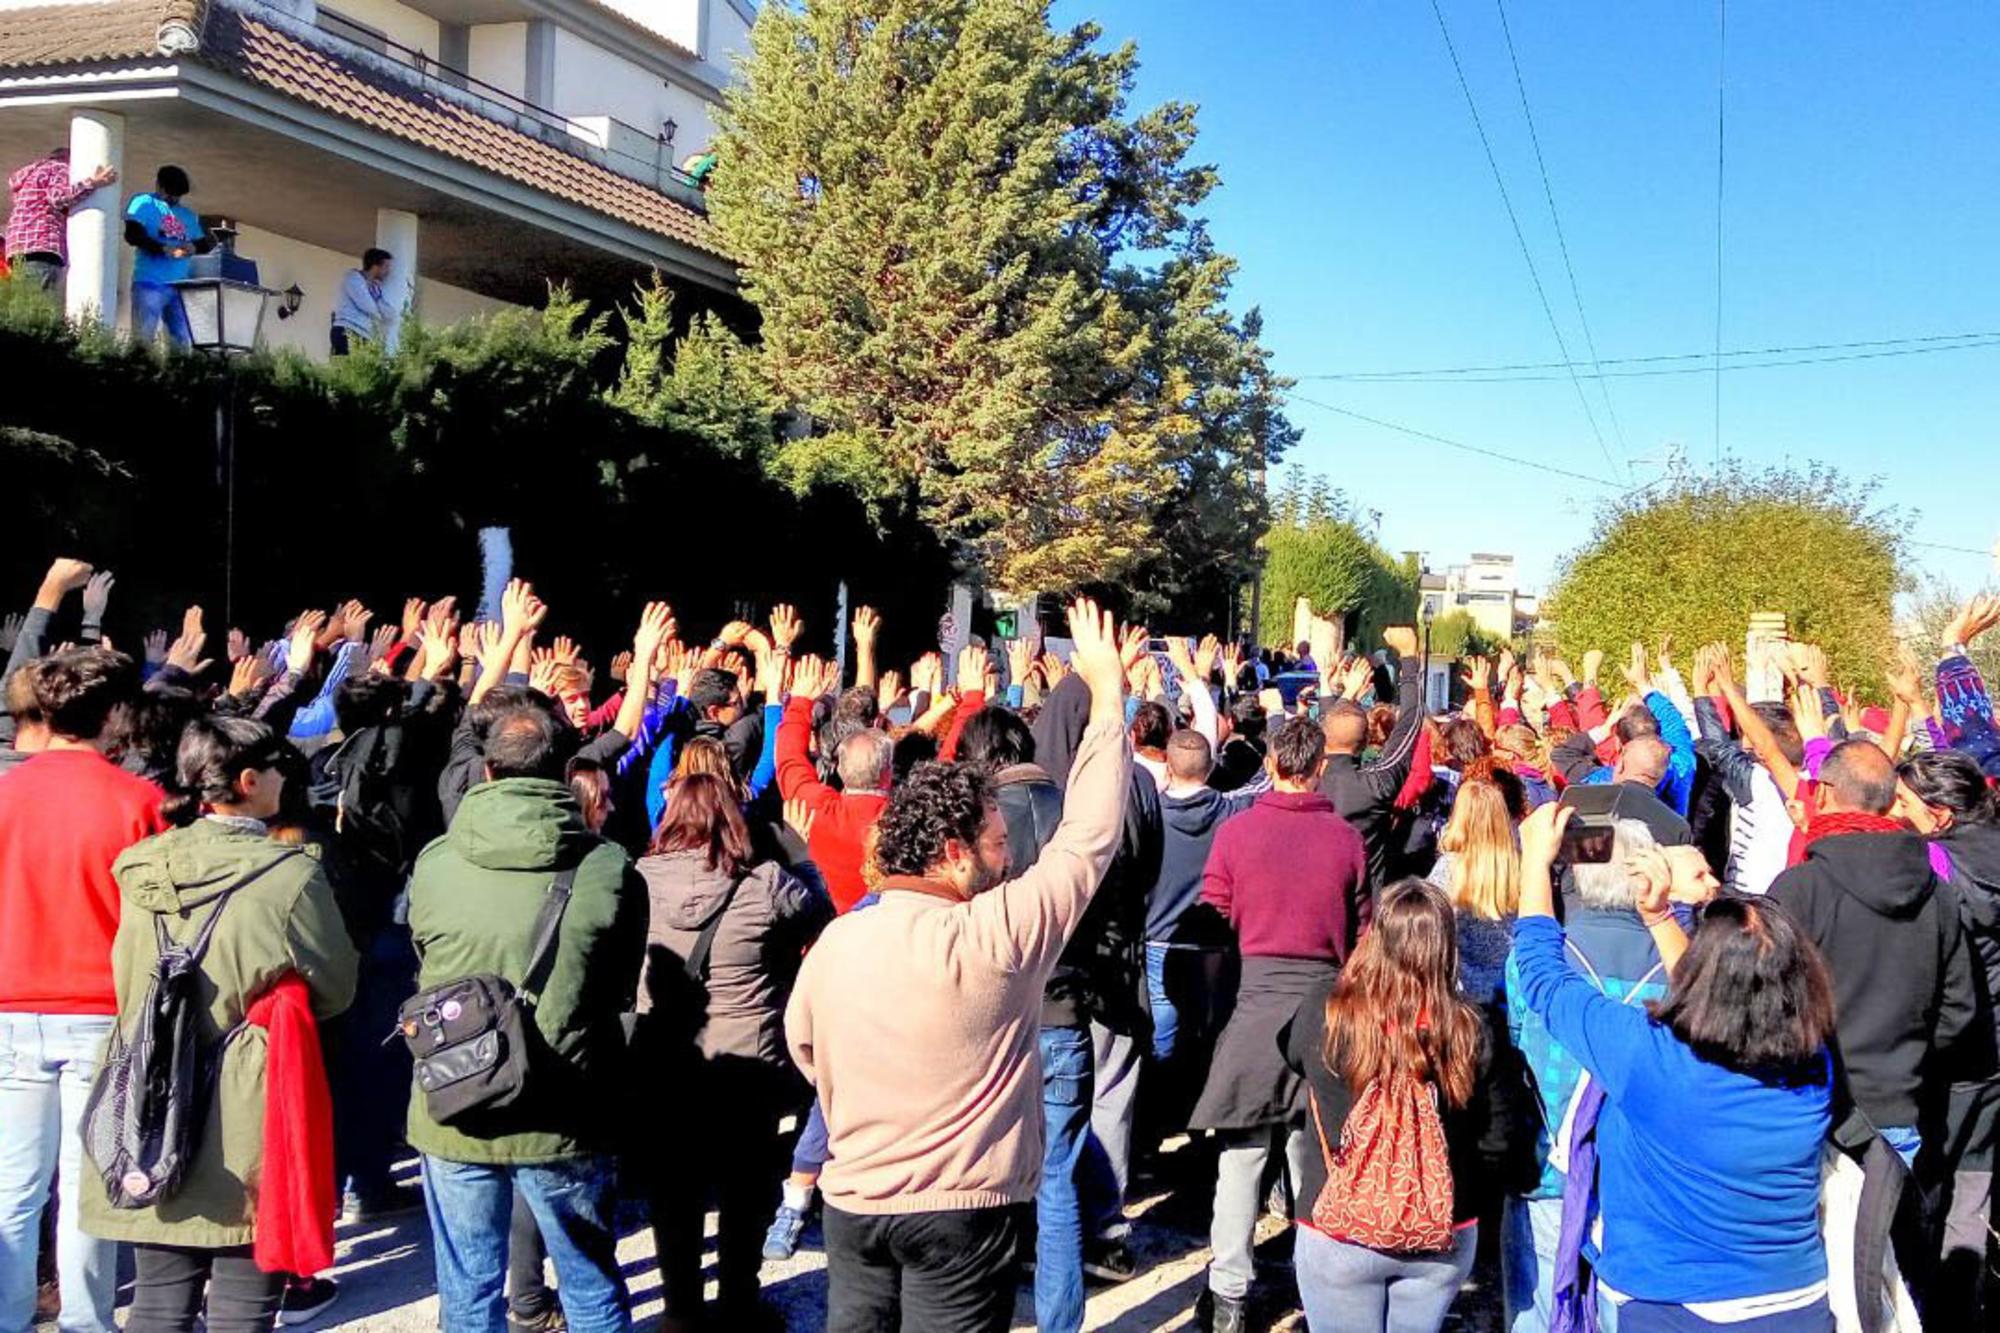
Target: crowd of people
(1684, 994)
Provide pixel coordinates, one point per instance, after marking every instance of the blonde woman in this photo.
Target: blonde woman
(1479, 867)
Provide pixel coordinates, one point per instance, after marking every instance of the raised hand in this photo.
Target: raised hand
(354, 618)
(1232, 661)
(382, 642)
(1205, 654)
(1636, 674)
(971, 669)
(563, 649)
(1354, 682)
(542, 670)
(1400, 640)
(1479, 676)
(97, 595)
(1053, 669)
(1665, 653)
(1020, 657)
(248, 673)
(155, 644)
(1721, 670)
(1905, 678)
(521, 612)
(1100, 657)
(888, 690)
(437, 648)
(620, 662)
(867, 624)
(1812, 666)
(65, 576)
(185, 653)
(10, 630)
(785, 626)
(1178, 654)
(304, 638)
(1541, 835)
(799, 818)
(1132, 645)
(927, 674)
(735, 632)
(656, 626)
(413, 616)
(814, 678)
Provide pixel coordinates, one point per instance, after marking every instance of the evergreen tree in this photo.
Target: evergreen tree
(982, 281)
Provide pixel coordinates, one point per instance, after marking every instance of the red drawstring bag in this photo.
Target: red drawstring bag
(1389, 1187)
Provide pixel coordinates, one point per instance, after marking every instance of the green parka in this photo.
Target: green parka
(281, 919)
(473, 901)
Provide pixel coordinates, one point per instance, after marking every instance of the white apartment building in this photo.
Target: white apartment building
(490, 145)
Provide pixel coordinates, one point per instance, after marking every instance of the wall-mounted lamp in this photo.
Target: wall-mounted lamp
(668, 130)
(288, 301)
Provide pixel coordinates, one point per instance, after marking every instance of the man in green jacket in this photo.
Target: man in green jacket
(474, 898)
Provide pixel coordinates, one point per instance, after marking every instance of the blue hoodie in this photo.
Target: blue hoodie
(1188, 827)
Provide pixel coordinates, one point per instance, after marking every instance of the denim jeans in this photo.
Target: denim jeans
(470, 1207)
(1107, 1157)
(1066, 1103)
(1166, 1019)
(1528, 1232)
(154, 304)
(1352, 1286)
(47, 1062)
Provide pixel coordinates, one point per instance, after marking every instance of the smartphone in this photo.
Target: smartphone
(1587, 836)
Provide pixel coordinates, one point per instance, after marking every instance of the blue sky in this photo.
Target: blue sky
(1861, 202)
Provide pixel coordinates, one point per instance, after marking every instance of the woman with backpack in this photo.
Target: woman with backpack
(1419, 1126)
(242, 1190)
(1704, 1112)
(723, 948)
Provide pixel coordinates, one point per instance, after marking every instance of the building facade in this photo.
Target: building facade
(492, 146)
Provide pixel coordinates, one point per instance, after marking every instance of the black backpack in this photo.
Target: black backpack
(473, 1039)
(145, 1112)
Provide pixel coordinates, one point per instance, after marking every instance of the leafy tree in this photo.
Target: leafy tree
(1457, 634)
(1333, 563)
(982, 281)
(706, 383)
(1695, 558)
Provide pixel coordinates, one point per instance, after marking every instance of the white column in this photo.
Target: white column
(396, 232)
(96, 223)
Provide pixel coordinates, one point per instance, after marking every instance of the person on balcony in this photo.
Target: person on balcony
(362, 310)
(38, 222)
(167, 234)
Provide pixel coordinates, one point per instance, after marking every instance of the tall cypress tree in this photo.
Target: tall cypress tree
(983, 280)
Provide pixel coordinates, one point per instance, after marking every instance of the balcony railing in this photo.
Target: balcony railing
(659, 168)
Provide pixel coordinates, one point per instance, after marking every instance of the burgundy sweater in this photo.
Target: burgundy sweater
(1289, 873)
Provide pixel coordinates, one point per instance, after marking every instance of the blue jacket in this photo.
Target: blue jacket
(1677, 787)
(1709, 1179)
(1621, 952)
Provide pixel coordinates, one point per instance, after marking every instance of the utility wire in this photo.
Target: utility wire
(1721, 86)
(1520, 237)
(1928, 341)
(1449, 443)
(1562, 241)
(1532, 378)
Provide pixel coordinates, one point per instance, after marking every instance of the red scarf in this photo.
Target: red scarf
(1834, 824)
(296, 1198)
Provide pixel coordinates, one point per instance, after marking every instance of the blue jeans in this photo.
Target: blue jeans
(471, 1206)
(1528, 1232)
(1067, 1085)
(47, 1062)
(1352, 1286)
(154, 304)
(1166, 1019)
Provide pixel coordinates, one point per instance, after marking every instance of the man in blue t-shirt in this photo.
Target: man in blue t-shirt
(166, 234)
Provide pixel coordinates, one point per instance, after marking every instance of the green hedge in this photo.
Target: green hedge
(369, 477)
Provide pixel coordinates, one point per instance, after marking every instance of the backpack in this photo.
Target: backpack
(144, 1115)
(1389, 1186)
(470, 1038)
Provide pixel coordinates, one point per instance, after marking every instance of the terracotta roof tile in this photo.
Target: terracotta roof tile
(263, 53)
(80, 33)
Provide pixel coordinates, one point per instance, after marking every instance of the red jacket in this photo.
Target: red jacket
(64, 816)
(839, 840)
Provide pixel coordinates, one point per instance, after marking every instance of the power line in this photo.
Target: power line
(1562, 241)
(1450, 443)
(1925, 340)
(1529, 378)
(1520, 237)
(1941, 546)
(1721, 85)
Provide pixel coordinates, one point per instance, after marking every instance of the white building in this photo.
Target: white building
(1486, 588)
(490, 145)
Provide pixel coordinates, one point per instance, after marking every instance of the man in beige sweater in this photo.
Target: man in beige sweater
(916, 1020)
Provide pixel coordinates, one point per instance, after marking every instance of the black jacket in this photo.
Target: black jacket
(1491, 1139)
(1365, 794)
(1903, 988)
(1974, 850)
